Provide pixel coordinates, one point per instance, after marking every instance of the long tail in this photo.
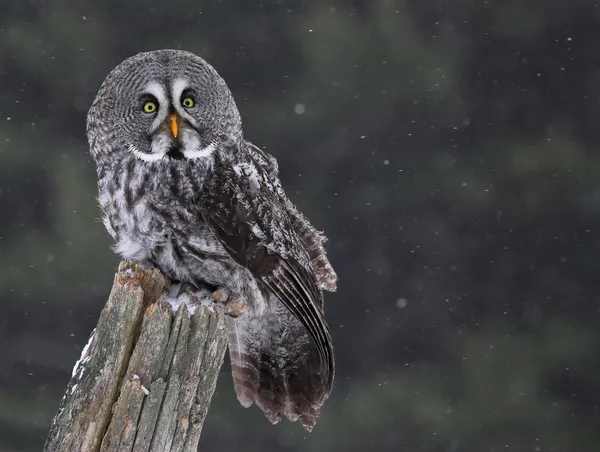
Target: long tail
(275, 364)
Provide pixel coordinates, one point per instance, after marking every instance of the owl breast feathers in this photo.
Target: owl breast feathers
(180, 188)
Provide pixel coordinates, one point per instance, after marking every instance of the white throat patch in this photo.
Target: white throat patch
(143, 156)
(191, 147)
(191, 154)
(200, 153)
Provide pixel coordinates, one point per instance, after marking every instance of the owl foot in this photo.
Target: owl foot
(221, 295)
(235, 308)
(232, 305)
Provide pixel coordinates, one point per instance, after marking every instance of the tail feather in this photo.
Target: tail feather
(275, 365)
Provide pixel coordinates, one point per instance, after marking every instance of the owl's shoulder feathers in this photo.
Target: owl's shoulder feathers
(312, 239)
(248, 212)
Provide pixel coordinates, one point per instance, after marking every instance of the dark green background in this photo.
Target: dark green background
(447, 148)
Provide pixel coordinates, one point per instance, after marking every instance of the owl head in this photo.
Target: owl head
(162, 105)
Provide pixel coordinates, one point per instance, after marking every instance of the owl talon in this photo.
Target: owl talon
(235, 308)
(221, 296)
(231, 305)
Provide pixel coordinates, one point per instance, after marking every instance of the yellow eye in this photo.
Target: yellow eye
(188, 102)
(149, 107)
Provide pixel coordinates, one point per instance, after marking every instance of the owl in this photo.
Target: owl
(182, 190)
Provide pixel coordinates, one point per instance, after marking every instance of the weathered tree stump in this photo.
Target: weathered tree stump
(146, 377)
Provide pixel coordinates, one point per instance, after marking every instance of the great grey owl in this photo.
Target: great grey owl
(181, 189)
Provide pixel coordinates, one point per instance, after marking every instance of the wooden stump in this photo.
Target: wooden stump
(146, 377)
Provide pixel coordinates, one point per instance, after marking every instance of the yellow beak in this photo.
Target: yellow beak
(174, 124)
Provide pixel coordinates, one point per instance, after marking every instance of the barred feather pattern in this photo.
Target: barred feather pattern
(313, 240)
(207, 207)
(280, 379)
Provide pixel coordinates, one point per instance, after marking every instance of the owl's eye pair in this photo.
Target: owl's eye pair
(151, 107)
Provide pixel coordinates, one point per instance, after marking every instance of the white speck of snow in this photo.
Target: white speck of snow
(401, 302)
(135, 377)
(175, 302)
(299, 109)
(145, 390)
(173, 299)
(189, 303)
(386, 162)
(73, 388)
(84, 358)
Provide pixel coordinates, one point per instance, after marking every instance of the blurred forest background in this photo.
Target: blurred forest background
(448, 148)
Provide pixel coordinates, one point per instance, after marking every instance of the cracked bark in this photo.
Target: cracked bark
(146, 378)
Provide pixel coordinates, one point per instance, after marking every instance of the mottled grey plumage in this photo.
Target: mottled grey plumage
(181, 189)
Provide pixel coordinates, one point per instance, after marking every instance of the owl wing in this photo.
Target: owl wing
(312, 239)
(250, 218)
(282, 360)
